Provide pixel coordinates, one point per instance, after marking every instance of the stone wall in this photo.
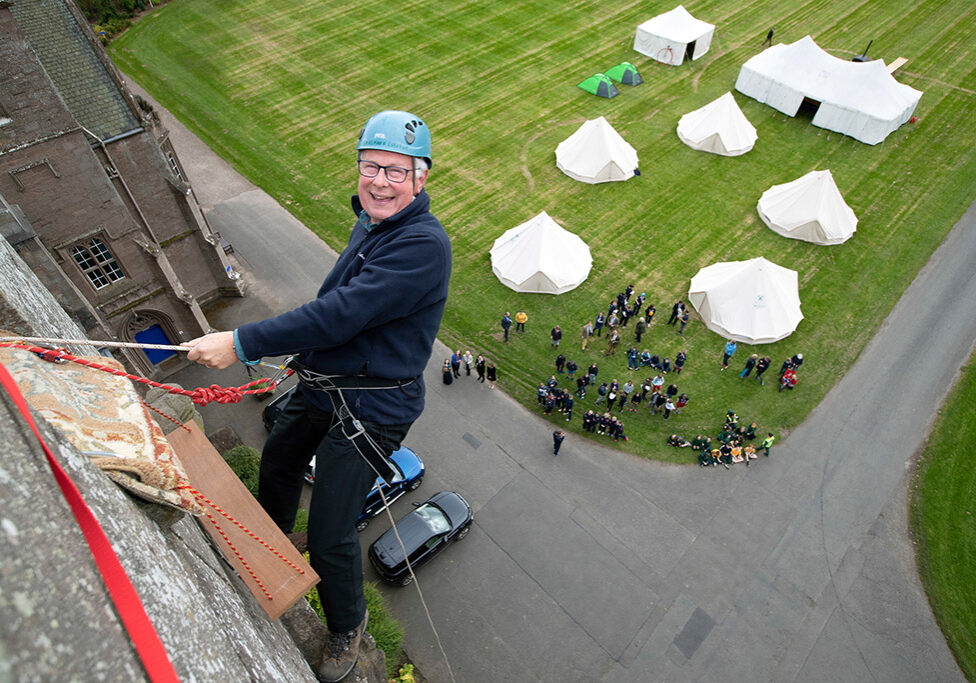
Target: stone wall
(59, 623)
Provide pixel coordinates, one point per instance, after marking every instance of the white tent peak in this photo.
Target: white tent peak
(674, 35)
(810, 208)
(540, 256)
(596, 153)
(859, 99)
(719, 127)
(754, 301)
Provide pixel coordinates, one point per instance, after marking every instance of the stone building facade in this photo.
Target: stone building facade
(92, 194)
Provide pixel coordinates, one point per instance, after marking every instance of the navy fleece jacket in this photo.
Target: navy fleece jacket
(376, 314)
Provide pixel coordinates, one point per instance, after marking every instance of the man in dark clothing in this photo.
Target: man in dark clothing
(769, 37)
(555, 335)
(676, 311)
(362, 345)
(679, 362)
(762, 365)
(506, 324)
(649, 314)
(557, 440)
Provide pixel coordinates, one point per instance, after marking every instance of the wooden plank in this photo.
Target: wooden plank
(209, 473)
(897, 64)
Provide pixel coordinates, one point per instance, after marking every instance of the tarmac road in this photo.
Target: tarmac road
(600, 566)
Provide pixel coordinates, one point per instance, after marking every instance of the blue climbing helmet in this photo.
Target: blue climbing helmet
(396, 131)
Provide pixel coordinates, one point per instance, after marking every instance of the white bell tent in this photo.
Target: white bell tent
(754, 301)
(674, 36)
(540, 256)
(859, 99)
(719, 127)
(596, 153)
(809, 208)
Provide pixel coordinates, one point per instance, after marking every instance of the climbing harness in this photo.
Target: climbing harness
(352, 429)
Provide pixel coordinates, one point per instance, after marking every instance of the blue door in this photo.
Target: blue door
(155, 335)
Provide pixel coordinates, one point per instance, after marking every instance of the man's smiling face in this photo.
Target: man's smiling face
(382, 198)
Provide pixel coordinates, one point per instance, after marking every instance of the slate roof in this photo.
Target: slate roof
(85, 85)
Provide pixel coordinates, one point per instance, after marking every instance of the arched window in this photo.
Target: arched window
(151, 327)
(97, 263)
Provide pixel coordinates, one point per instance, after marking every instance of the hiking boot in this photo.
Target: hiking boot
(341, 653)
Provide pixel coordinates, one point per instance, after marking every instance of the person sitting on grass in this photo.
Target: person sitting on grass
(726, 455)
(737, 455)
(749, 451)
(678, 441)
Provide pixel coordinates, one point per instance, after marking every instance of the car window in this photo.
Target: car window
(397, 474)
(435, 519)
(432, 542)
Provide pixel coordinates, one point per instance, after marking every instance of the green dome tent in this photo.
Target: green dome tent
(599, 85)
(625, 73)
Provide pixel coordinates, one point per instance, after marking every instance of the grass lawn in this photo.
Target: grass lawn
(281, 89)
(943, 513)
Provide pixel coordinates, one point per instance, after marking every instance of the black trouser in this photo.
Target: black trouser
(342, 481)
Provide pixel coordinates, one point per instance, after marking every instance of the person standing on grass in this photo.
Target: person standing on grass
(586, 333)
(555, 336)
(769, 38)
(762, 365)
(679, 361)
(750, 364)
(598, 325)
(520, 319)
(685, 317)
(369, 331)
(640, 327)
(506, 324)
(730, 346)
(676, 311)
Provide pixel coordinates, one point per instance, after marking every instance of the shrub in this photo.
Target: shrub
(245, 461)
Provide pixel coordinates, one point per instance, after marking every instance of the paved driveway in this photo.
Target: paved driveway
(597, 565)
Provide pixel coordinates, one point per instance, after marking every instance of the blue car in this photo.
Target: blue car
(408, 465)
(409, 476)
(425, 532)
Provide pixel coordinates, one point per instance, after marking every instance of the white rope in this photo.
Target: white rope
(89, 342)
(396, 532)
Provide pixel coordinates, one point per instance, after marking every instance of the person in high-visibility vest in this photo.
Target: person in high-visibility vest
(767, 444)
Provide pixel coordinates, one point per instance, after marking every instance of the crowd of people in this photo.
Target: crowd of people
(734, 444)
(485, 369)
(658, 390)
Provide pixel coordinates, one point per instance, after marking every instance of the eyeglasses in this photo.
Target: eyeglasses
(395, 174)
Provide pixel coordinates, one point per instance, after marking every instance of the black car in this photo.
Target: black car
(426, 531)
(273, 410)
